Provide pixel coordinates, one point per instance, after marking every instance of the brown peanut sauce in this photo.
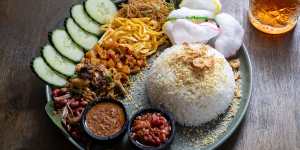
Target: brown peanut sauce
(105, 119)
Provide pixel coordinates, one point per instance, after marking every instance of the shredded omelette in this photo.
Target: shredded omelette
(140, 35)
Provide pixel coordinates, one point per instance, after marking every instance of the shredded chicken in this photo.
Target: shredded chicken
(156, 9)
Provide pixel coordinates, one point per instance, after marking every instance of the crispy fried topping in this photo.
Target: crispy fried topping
(235, 63)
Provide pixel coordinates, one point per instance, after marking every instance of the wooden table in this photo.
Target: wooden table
(272, 121)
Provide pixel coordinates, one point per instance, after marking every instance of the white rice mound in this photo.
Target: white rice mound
(192, 97)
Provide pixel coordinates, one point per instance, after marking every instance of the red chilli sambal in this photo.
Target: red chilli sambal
(151, 129)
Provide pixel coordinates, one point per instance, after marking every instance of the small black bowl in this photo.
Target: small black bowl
(104, 139)
(140, 146)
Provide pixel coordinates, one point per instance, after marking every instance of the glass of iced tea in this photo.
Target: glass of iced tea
(274, 16)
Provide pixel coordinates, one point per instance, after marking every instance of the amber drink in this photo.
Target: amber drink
(274, 16)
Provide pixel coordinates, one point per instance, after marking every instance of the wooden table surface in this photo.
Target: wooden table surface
(272, 121)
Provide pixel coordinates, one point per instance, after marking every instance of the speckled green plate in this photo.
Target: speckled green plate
(207, 136)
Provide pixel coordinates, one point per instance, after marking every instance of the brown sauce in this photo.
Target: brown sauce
(105, 119)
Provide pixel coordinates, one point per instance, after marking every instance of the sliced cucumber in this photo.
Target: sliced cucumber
(103, 11)
(65, 46)
(45, 73)
(81, 37)
(57, 62)
(84, 21)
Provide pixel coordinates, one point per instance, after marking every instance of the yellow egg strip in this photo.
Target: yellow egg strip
(142, 34)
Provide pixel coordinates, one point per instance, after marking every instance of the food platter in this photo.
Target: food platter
(246, 86)
(150, 74)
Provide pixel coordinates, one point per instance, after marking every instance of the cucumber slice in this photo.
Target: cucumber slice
(81, 37)
(103, 11)
(65, 46)
(57, 62)
(44, 72)
(84, 21)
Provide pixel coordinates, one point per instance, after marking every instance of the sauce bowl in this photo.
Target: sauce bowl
(104, 139)
(140, 146)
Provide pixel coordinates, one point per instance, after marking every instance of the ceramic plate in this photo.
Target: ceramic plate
(207, 136)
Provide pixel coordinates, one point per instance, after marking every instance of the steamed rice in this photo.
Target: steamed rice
(194, 96)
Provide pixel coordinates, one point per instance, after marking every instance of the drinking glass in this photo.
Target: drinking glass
(274, 16)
